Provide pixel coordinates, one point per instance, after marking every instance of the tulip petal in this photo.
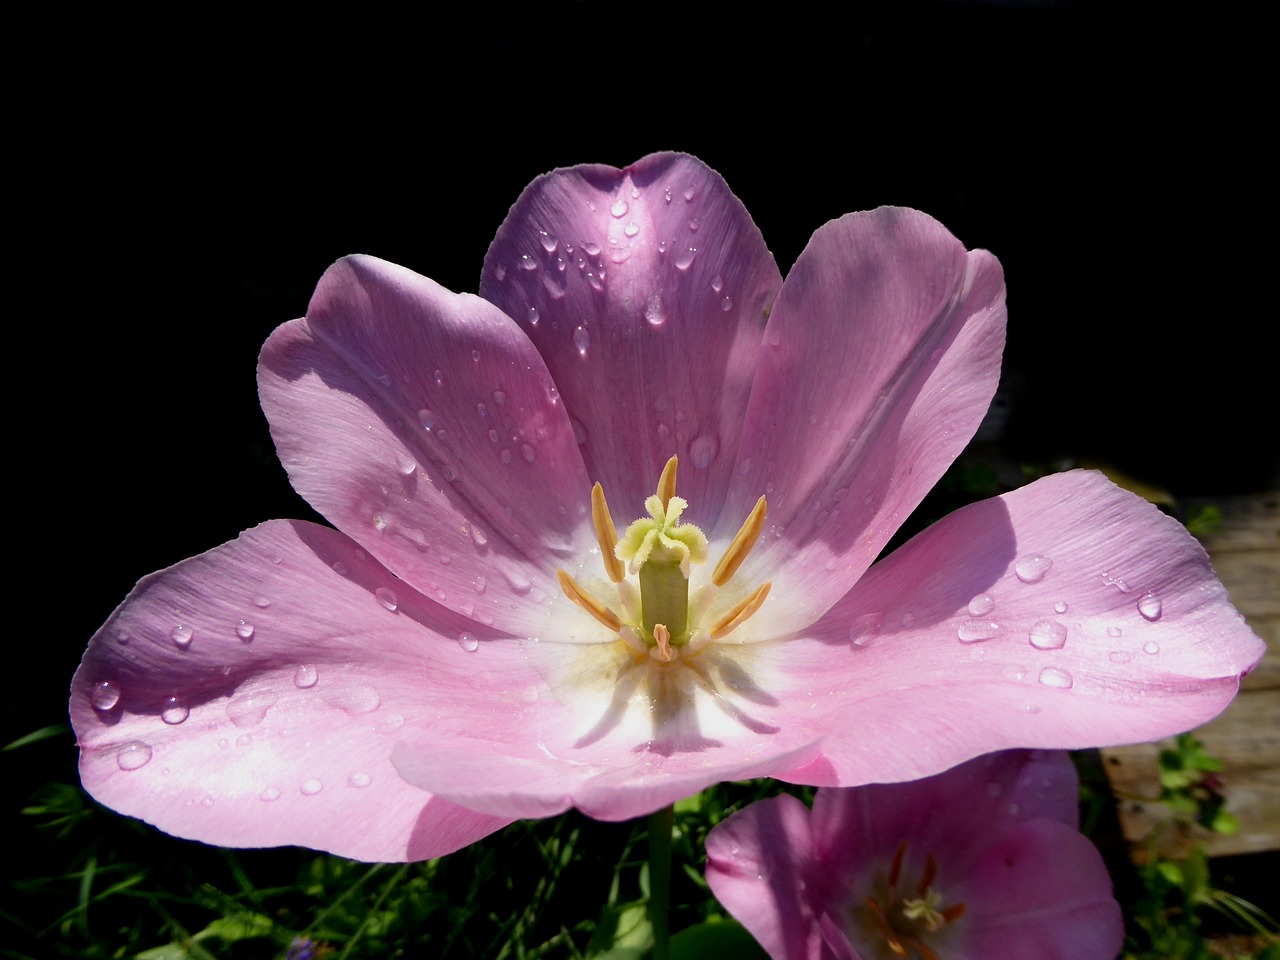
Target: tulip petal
(891, 663)
(645, 290)
(881, 355)
(424, 425)
(251, 697)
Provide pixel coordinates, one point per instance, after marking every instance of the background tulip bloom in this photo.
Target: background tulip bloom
(981, 861)
(476, 642)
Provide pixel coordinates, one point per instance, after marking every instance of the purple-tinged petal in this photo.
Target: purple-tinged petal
(1027, 620)
(424, 425)
(251, 696)
(881, 355)
(645, 290)
(757, 865)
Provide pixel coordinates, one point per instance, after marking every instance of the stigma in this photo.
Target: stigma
(903, 921)
(654, 612)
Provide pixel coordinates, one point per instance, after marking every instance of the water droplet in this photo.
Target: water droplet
(133, 756)
(619, 208)
(982, 603)
(1116, 582)
(310, 787)
(359, 779)
(597, 282)
(355, 700)
(690, 193)
(438, 377)
(379, 521)
(480, 583)
(631, 229)
(505, 455)
(527, 263)
(1119, 656)
(426, 418)
(387, 598)
(703, 450)
(404, 463)
(244, 739)
(549, 243)
(244, 630)
(104, 696)
(1151, 647)
(261, 602)
(581, 339)
(693, 224)
(499, 271)
(1060, 607)
(975, 631)
(518, 582)
(685, 260)
(1032, 568)
(865, 628)
(269, 794)
(306, 676)
(468, 643)
(1114, 632)
(654, 312)
(249, 711)
(182, 635)
(726, 304)
(340, 568)
(1150, 607)
(663, 431)
(478, 536)
(908, 618)
(475, 356)
(174, 712)
(123, 638)
(1056, 677)
(591, 249)
(528, 453)
(493, 435)
(1048, 635)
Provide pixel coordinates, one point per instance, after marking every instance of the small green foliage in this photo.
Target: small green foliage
(1190, 785)
(1204, 519)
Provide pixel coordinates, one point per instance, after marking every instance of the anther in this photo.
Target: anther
(606, 535)
(896, 867)
(663, 638)
(740, 613)
(742, 543)
(587, 602)
(667, 482)
(927, 878)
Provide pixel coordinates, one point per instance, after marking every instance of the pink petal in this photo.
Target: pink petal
(251, 696)
(645, 290)
(758, 863)
(889, 666)
(424, 424)
(881, 355)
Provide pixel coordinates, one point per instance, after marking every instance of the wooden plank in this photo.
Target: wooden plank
(1249, 522)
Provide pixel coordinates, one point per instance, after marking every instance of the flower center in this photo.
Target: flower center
(903, 920)
(660, 618)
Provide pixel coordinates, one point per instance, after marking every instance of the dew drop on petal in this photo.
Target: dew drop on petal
(359, 779)
(104, 696)
(340, 568)
(405, 464)
(1114, 632)
(865, 628)
(1032, 568)
(975, 631)
(181, 636)
(631, 229)
(249, 711)
(478, 536)
(717, 283)
(133, 756)
(310, 787)
(426, 418)
(1151, 647)
(1060, 607)
(619, 208)
(528, 453)
(685, 260)
(581, 340)
(654, 312)
(726, 304)
(468, 643)
(505, 455)
(269, 794)
(244, 629)
(1056, 677)
(689, 194)
(174, 712)
(1119, 656)
(1150, 607)
(703, 450)
(387, 598)
(591, 249)
(123, 638)
(480, 583)
(354, 701)
(261, 602)
(908, 618)
(1048, 635)
(548, 242)
(306, 676)
(982, 603)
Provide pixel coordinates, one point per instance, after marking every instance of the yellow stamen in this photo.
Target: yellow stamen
(740, 613)
(667, 482)
(742, 543)
(587, 602)
(663, 637)
(606, 535)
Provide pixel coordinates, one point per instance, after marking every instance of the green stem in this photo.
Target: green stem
(660, 880)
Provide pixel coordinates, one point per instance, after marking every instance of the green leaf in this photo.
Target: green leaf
(714, 939)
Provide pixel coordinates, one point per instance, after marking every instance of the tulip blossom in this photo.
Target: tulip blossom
(981, 861)
(604, 536)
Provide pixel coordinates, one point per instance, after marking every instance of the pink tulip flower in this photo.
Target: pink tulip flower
(982, 861)
(476, 641)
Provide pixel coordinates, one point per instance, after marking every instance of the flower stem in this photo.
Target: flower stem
(660, 879)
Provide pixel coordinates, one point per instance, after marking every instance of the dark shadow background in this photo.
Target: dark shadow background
(188, 181)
